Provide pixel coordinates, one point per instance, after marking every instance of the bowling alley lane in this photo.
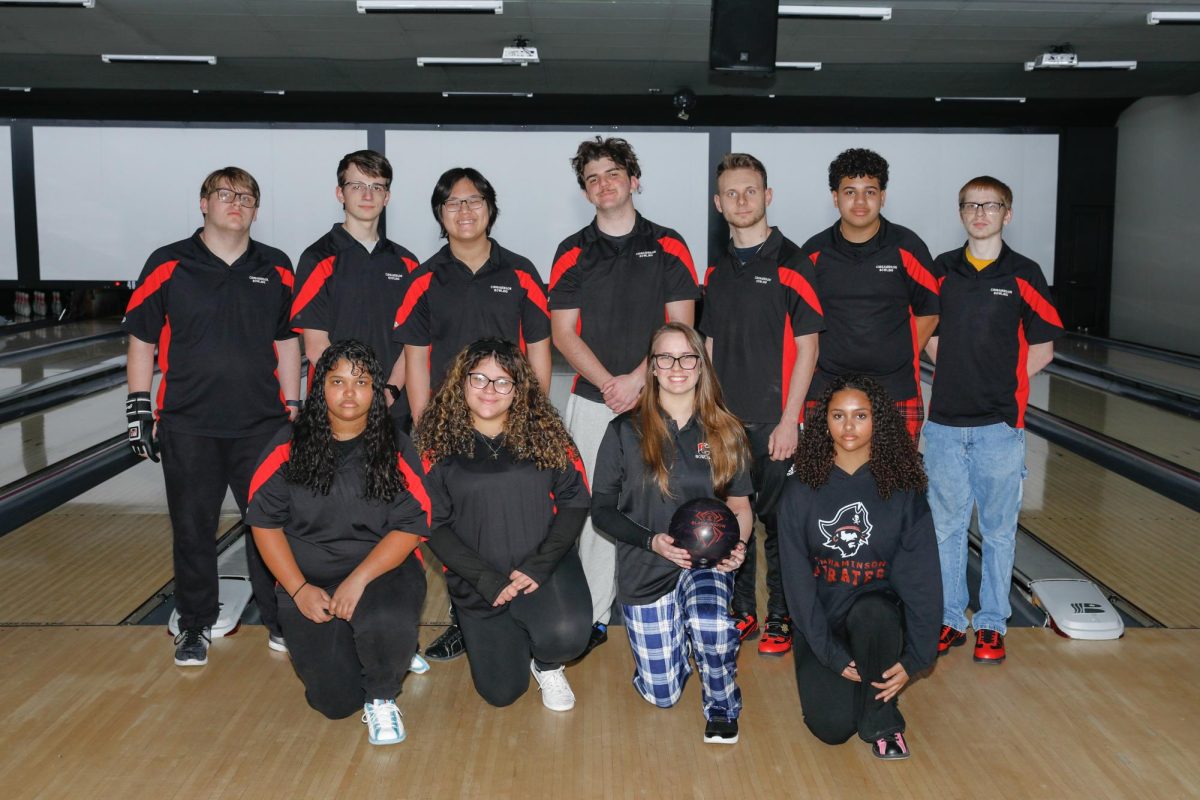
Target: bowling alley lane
(54, 334)
(1131, 365)
(38, 440)
(39, 366)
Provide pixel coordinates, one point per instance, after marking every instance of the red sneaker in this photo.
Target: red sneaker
(950, 638)
(777, 636)
(989, 647)
(746, 623)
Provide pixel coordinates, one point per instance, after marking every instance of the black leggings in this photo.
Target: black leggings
(769, 478)
(343, 664)
(835, 708)
(551, 626)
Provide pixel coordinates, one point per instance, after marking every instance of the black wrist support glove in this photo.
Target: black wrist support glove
(139, 414)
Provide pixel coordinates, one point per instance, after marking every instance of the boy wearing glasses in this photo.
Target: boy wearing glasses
(761, 319)
(611, 285)
(216, 308)
(997, 330)
(351, 281)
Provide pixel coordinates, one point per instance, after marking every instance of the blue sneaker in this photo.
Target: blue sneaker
(384, 725)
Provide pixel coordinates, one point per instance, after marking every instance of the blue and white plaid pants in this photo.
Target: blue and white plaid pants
(693, 618)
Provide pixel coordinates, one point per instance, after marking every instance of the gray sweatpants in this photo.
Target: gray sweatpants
(587, 421)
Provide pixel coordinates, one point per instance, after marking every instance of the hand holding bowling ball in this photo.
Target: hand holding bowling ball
(706, 529)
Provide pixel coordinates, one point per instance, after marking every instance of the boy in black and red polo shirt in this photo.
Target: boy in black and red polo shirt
(879, 296)
(761, 319)
(997, 329)
(350, 282)
(611, 285)
(216, 307)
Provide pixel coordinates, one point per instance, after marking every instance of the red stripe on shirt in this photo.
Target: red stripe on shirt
(789, 354)
(916, 349)
(409, 263)
(412, 297)
(1021, 395)
(416, 487)
(708, 274)
(164, 352)
(814, 256)
(154, 281)
(564, 263)
(796, 282)
(680, 251)
(577, 462)
(918, 272)
(1040, 305)
(312, 285)
(285, 275)
(269, 466)
(532, 290)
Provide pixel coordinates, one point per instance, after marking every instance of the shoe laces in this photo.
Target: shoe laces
(379, 715)
(777, 626)
(990, 638)
(553, 680)
(190, 637)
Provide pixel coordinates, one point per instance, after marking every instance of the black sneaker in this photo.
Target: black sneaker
(599, 636)
(777, 636)
(191, 647)
(721, 731)
(890, 748)
(746, 623)
(447, 647)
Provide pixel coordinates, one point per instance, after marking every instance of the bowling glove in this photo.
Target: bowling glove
(139, 414)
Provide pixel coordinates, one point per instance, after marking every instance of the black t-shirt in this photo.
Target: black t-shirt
(842, 541)
(870, 293)
(352, 294)
(330, 535)
(643, 576)
(216, 326)
(447, 307)
(621, 292)
(753, 313)
(989, 319)
(501, 508)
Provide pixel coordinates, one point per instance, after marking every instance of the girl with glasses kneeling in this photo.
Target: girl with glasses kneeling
(680, 443)
(860, 567)
(509, 500)
(334, 512)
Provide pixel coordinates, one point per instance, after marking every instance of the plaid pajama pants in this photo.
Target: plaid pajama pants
(693, 619)
(912, 411)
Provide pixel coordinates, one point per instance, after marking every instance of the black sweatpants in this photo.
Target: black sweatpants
(835, 708)
(345, 663)
(769, 478)
(551, 626)
(197, 470)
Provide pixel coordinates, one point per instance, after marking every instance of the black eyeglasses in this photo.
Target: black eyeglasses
(358, 187)
(668, 361)
(474, 203)
(229, 195)
(991, 209)
(480, 381)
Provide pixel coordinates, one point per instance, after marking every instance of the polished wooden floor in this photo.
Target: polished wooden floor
(101, 712)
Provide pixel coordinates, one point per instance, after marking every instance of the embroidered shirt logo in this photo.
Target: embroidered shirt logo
(259, 279)
(886, 267)
(848, 531)
(761, 279)
(394, 276)
(646, 253)
(703, 451)
(498, 289)
(1002, 292)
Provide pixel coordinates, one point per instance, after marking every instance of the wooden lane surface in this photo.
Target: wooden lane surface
(1150, 370)
(1061, 719)
(1139, 543)
(94, 560)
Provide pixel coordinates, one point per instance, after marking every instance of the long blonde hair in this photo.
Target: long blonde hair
(729, 452)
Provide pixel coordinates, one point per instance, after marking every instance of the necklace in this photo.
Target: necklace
(495, 449)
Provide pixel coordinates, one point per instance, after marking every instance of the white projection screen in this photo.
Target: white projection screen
(8, 235)
(540, 202)
(123, 191)
(926, 170)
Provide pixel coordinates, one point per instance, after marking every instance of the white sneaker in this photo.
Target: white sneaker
(276, 642)
(384, 725)
(418, 665)
(556, 692)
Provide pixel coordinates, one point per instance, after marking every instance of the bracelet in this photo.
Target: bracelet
(298, 588)
(393, 390)
(292, 403)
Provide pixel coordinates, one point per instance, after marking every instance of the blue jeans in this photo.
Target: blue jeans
(975, 467)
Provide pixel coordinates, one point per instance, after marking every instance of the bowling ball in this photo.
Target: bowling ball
(706, 528)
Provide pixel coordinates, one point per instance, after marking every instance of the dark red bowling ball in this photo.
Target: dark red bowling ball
(707, 529)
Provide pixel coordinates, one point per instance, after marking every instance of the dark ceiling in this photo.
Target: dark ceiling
(628, 48)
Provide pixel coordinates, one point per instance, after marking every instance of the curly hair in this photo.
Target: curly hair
(614, 147)
(533, 430)
(858, 162)
(894, 461)
(314, 460)
(729, 450)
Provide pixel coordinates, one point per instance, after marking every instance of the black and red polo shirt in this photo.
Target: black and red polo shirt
(621, 288)
(216, 326)
(331, 534)
(503, 510)
(350, 293)
(871, 293)
(989, 319)
(447, 307)
(753, 313)
(644, 576)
